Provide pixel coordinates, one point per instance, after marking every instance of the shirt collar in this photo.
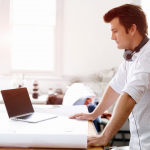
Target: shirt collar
(135, 56)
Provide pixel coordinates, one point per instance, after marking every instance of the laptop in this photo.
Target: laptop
(19, 106)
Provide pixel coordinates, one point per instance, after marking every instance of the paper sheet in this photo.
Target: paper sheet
(63, 110)
(56, 133)
(119, 148)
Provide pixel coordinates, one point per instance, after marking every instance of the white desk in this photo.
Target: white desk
(121, 148)
(40, 101)
(59, 132)
(124, 148)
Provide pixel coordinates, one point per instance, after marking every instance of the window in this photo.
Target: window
(33, 28)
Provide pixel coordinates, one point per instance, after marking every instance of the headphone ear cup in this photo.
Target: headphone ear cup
(128, 55)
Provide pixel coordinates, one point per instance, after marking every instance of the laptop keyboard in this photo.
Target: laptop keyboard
(36, 117)
(24, 117)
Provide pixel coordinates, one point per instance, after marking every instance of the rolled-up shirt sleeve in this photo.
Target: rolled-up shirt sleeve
(117, 83)
(137, 86)
(140, 80)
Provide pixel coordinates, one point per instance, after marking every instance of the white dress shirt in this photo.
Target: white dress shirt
(134, 78)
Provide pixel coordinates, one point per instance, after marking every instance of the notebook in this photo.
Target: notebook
(19, 106)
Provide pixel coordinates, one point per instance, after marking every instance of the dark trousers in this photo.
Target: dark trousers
(97, 120)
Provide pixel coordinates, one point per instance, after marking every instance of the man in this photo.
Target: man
(131, 84)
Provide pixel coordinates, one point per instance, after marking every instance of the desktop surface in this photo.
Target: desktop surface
(91, 131)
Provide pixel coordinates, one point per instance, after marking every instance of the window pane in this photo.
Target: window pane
(32, 47)
(33, 35)
(34, 12)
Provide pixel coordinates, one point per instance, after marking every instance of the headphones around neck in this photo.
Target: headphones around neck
(129, 53)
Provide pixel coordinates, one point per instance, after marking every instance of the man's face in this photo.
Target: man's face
(119, 34)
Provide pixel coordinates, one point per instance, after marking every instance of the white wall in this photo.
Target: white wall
(88, 47)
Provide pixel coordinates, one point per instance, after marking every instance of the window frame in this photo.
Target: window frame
(5, 45)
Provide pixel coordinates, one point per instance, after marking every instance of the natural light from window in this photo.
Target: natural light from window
(33, 24)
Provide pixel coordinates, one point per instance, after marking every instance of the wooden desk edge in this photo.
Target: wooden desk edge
(91, 129)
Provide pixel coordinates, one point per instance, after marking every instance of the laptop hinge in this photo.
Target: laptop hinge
(21, 115)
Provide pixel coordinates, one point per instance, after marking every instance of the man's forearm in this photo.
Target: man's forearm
(108, 98)
(121, 113)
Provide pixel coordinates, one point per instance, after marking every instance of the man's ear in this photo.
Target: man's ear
(133, 29)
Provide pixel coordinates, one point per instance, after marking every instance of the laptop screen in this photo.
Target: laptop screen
(17, 102)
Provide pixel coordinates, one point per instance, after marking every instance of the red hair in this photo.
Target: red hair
(129, 14)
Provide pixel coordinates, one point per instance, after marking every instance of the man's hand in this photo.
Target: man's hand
(97, 140)
(109, 97)
(83, 116)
